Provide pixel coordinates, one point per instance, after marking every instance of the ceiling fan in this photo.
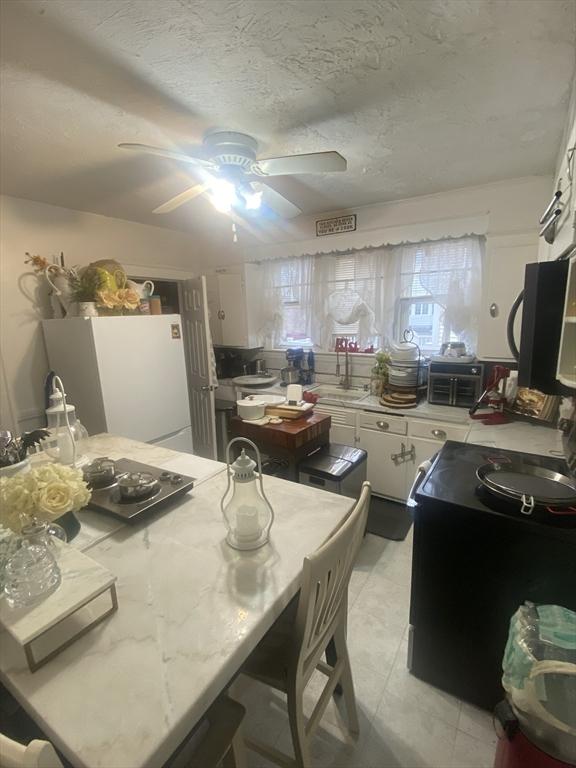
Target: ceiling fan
(233, 177)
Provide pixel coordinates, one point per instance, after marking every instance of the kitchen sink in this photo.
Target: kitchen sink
(340, 395)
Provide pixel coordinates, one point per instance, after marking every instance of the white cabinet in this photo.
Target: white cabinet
(386, 474)
(235, 306)
(502, 280)
(343, 425)
(566, 371)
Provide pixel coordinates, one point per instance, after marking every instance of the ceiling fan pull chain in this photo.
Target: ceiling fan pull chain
(234, 233)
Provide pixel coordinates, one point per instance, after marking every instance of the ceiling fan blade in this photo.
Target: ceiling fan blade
(315, 162)
(171, 154)
(183, 197)
(273, 199)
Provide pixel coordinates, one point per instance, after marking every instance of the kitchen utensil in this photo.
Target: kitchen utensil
(137, 485)
(499, 373)
(290, 375)
(251, 408)
(529, 484)
(143, 290)
(294, 394)
(289, 411)
(453, 349)
(261, 380)
(100, 473)
(169, 486)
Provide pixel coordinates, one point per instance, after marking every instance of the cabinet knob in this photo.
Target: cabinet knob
(382, 425)
(494, 311)
(439, 433)
(221, 314)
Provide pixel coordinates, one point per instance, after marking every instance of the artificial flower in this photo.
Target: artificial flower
(46, 492)
(127, 298)
(108, 298)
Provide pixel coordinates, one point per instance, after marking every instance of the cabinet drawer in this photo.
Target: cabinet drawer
(438, 430)
(383, 422)
(339, 415)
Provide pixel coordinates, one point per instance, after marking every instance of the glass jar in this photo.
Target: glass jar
(31, 574)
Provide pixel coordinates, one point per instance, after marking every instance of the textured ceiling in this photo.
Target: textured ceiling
(419, 96)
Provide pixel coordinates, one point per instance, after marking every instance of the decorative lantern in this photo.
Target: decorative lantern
(247, 512)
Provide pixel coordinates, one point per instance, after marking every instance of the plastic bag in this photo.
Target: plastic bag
(539, 677)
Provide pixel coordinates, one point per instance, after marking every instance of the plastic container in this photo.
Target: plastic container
(155, 305)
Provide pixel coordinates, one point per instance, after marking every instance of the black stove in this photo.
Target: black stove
(476, 559)
(452, 480)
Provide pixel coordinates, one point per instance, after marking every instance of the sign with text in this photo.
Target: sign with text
(336, 226)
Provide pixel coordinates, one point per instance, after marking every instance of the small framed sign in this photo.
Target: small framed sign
(336, 226)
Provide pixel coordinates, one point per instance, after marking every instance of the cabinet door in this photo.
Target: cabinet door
(232, 310)
(503, 279)
(213, 299)
(343, 435)
(387, 477)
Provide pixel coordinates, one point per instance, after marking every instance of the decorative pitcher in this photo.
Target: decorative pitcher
(144, 290)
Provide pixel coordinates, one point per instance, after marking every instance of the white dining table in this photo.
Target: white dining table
(190, 611)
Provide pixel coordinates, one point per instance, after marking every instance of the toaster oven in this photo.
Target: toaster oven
(457, 384)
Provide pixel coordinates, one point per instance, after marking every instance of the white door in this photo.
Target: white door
(387, 476)
(199, 359)
(232, 310)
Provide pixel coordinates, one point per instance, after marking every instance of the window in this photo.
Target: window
(372, 295)
(433, 301)
(353, 283)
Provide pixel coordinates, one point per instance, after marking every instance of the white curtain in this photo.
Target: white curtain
(316, 294)
(450, 273)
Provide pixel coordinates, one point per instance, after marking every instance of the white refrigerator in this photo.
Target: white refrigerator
(125, 375)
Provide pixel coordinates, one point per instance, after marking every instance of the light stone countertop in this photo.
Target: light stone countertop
(191, 609)
(515, 436)
(518, 436)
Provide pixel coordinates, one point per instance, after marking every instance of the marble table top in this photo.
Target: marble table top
(94, 525)
(191, 609)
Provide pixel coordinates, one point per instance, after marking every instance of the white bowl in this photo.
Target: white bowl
(251, 408)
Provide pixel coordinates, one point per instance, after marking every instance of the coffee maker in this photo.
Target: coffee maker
(300, 368)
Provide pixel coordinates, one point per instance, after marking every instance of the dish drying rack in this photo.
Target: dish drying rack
(402, 397)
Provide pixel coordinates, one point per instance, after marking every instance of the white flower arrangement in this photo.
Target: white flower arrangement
(44, 493)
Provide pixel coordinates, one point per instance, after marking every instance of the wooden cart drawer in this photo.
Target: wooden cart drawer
(383, 422)
(438, 430)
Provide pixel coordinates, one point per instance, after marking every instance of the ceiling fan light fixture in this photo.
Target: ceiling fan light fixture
(253, 200)
(223, 195)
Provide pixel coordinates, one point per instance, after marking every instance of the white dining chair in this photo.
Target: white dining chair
(37, 754)
(288, 655)
(222, 743)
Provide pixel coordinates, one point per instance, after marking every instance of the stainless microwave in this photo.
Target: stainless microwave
(457, 384)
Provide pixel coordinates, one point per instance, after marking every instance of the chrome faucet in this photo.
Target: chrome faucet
(345, 381)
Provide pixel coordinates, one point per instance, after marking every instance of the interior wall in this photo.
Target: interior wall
(565, 167)
(83, 237)
(506, 208)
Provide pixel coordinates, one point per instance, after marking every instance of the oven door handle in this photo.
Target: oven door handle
(421, 473)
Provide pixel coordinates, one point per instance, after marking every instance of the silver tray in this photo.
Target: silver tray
(515, 480)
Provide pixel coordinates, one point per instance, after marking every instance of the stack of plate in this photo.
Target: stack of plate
(406, 369)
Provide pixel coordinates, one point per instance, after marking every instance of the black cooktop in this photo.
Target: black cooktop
(452, 480)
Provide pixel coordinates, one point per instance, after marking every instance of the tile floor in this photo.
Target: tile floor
(404, 723)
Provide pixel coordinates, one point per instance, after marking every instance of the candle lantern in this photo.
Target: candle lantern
(247, 512)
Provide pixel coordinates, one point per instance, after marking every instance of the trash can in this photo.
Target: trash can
(336, 468)
(538, 719)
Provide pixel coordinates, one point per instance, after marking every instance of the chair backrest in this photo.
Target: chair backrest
(325, 578)
(37, 754)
